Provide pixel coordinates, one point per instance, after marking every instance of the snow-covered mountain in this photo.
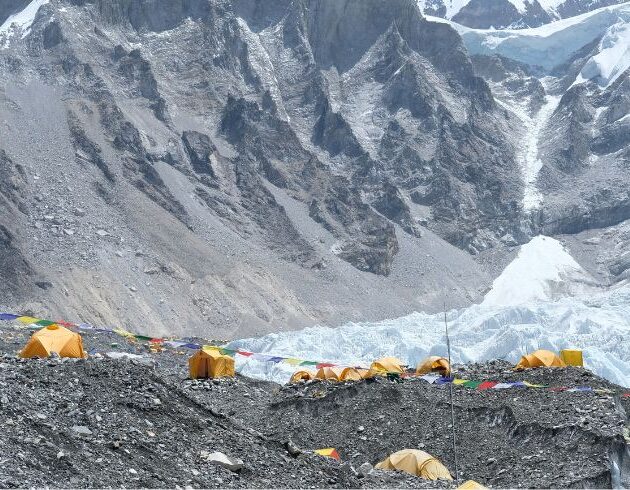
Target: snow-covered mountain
(514, 14)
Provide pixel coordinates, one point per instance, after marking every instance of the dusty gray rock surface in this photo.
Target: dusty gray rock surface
(140, 422)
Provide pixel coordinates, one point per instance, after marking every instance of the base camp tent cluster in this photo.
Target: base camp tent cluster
(380, 367)
(546, 358)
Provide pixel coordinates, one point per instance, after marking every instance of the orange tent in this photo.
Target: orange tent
(54, 338)
(302, 375)
(210, 363)
(353, 374)
(540, 358)
(330, 373)
(434, 364)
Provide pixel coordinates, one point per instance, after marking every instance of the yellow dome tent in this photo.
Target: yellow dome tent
(329, 373)
(540, 358)
(415, 462)
(302, 375)
(54, 338)
(386, 365)
(353, 374)
(434, 364)
(471, 485)
(210, 363)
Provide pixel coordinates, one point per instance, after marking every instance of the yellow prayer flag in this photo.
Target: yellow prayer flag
(27, 320)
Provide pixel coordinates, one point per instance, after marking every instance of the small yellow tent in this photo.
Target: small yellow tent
(302, 375)
(417, 463)
(434, 364)
(386, 365)
(54, 338)
(210, 363)
(572, 357)
(329, 373)
(329, 452)
(540, 358)
(471, 485)
(353, 374)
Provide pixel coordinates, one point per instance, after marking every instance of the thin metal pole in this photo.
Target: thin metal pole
(450, 392)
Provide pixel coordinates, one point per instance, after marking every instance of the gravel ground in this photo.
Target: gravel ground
(139, 422)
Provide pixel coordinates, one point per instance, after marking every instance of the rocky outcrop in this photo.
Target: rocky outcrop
(199, 149)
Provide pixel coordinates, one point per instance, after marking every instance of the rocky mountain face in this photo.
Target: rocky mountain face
(240, 166)
(274, 158)
(510, 14)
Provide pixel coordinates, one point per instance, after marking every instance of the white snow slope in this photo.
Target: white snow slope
(505, 325)
(20, 22)
(552, 44)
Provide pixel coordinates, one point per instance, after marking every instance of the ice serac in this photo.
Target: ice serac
(542, 300)
(542, 271)
(550, 45)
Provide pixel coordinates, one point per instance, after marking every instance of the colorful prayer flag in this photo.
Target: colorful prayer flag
(472, 384)
(27, 320)
(324, 364)
(486, 385)
(292, 361)
(8, 316)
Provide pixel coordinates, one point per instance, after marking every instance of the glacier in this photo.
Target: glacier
(555, 43)
(522, 312)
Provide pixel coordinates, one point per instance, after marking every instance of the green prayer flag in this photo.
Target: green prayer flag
(142, 337)
(472, 384)
(44, 323)
(309, 363)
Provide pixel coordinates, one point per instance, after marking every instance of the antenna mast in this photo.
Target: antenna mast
(450, 392)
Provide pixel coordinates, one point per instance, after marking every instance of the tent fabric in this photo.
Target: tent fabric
(416, 462)
(572, 357)
(302, 375)
(329, 373)
(434, 364)
(353, 374)
(54, 338)
(329, 452)
(385, 365)
(210, 363)
(471, 485)
(540, 358)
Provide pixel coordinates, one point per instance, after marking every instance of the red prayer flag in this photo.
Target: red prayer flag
(486, 385)
(324, 364)
(244, 353)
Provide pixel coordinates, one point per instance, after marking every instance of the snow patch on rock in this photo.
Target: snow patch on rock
(613, 57)
(20, 22)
